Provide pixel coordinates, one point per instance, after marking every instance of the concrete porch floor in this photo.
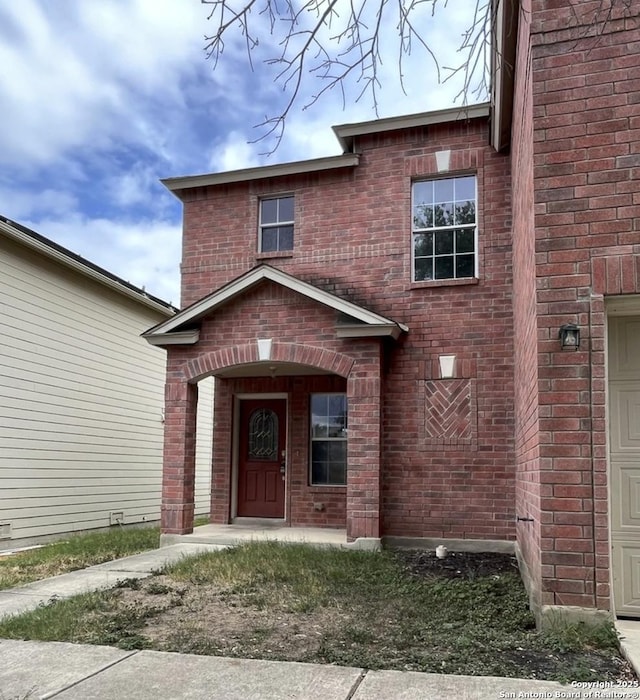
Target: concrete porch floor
(260, 530)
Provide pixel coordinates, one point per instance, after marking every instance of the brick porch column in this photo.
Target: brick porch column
(364, 476)
(179, 466)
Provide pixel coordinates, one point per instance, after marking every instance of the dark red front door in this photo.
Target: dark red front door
(263, 441)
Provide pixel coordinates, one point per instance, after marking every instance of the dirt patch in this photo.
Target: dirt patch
(457, 565)
(207, 619)
(483, 629)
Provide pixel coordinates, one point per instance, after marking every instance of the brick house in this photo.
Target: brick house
(384, 325)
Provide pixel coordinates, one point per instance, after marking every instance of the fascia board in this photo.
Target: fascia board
(327, 299)
(358, 331)
(178, 338)
(505, 19)
(209, 303)
(346, 132)
(176, 184)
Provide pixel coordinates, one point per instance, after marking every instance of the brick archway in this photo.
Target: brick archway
(294, 353)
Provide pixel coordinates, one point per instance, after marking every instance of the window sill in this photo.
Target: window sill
(444, 283)
(274, 254)
(327, 488)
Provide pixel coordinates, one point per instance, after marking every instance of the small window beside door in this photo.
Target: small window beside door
(328, 418)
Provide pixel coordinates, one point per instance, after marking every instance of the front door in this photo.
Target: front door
(261, 458)
(624, 461)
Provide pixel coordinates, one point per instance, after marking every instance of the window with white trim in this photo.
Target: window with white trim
(445, 241)
(328, 418)
(276, 224)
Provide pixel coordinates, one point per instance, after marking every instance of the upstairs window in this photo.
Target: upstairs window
(276, 224)
(445, 244)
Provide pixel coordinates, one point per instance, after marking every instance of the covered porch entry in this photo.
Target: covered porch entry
(297, 410)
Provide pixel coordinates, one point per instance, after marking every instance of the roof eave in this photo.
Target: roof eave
(346, 133)
(503, 60)
(388, 330)
(177, 184)
(176, 338)
(58, 254)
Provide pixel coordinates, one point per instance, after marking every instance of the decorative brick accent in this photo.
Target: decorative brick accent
(616, 274)
(450, 412)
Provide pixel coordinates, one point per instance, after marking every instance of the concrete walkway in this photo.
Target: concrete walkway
(38, 670)
(18, 600)
(79, 672)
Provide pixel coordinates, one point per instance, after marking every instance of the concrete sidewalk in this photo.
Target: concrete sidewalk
(31, 670)
(38, 670)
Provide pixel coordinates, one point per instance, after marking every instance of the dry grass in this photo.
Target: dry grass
(77, 552)
(298, 603)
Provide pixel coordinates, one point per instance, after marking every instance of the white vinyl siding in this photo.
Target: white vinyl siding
(204, 446)
(81, 401)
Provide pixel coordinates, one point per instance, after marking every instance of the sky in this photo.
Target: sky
(99, 100)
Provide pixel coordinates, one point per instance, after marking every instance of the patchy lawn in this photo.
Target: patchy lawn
(465, 614)
(77, 552)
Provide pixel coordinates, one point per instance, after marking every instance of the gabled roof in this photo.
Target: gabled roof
(35, 241)
(356, 322)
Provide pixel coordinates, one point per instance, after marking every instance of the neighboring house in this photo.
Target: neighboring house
(384, 325)
(81, 395)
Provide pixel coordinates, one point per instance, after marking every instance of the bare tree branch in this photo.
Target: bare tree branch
(338, 43)
(475, 45)
(331, 41)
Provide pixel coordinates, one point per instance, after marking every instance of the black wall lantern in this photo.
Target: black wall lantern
(569, 335)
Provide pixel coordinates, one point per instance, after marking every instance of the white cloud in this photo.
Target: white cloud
(23, 203)
(101, 99)
(82, 74)
(145, 253)
(234, 153)
(46, 91)
(133, 185)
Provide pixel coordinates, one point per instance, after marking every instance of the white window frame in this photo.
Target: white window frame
(435, 229)
(275, 224)
(313, 439)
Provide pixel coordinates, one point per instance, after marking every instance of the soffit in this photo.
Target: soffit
(504, 39)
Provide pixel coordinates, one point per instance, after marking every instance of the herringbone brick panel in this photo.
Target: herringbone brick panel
(449, 411)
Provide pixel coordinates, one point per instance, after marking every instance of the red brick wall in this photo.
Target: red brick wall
(586, 97)
(528, 476)
(353, 238)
